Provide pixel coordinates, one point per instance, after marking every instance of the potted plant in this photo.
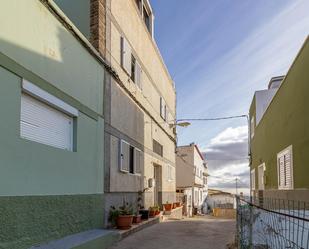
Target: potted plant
(122, 217)
(113, 215)
(167, 206)
(157, 210)
(137, 218)
(152, 211)
(177, 204)
(140, 208)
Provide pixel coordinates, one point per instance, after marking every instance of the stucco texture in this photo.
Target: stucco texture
(286, 123)
(29, 220)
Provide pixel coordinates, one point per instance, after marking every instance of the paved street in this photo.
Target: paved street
(194, 233)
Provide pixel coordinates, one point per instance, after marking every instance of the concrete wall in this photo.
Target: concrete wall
(184, 166)
(285, 123)
(45, 192)
(131, 113)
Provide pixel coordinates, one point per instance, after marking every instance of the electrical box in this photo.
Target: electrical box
(151, 183)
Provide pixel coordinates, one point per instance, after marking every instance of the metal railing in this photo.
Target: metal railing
(272, 223)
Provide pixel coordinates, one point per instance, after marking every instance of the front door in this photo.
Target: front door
(157, 187)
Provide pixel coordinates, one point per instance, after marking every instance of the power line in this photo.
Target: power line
(212, 119)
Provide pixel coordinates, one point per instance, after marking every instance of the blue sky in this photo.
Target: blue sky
(218, 53)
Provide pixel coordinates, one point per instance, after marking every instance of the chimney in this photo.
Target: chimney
(275, 82)
(98, 25)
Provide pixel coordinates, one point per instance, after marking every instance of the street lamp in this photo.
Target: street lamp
(181, 124)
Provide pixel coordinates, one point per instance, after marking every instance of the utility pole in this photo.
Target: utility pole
(236, 179)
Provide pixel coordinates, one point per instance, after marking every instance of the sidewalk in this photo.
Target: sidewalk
(194, 233)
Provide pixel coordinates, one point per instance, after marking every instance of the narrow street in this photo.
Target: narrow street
(194, 233)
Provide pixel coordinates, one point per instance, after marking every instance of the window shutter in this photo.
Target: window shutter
(253, 179)
(126, 55)
(138, 161)
(261, 177)
(42, 123)
(138, 75)
(162, 108)
(287, 166)
(281, 171)
(285, 169)
(124, 156)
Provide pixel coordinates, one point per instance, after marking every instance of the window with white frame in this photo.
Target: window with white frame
(261, 183)
(252, 176)
(252, 127)
(130, 158)
(162, 108)
(46, 119)
(285, 168)
(126, 56)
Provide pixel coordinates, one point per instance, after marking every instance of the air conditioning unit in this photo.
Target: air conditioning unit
(151, 183)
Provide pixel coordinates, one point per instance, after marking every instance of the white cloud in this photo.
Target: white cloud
(227, 158)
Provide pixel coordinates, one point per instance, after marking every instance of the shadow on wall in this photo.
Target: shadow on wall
(57, 193)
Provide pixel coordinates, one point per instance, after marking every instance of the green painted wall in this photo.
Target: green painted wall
(79, 13)
(30, 168)
(45, 192)
(286, 122)
(27, 221)
(43, 45)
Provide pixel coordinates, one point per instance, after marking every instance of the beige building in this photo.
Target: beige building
(191, 178)
(140, 105)
(139, 100)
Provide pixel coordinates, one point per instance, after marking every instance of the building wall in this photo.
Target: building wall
(133, 114)
(285, 123)
(45, 192)
(184, 166)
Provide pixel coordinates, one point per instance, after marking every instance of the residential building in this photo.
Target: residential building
(191, 178)
(51, 127)
(139, 101)
(279, 134)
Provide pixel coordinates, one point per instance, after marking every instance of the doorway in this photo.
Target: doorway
(158, 185)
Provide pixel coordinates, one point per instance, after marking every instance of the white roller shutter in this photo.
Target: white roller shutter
(42, 123)
(124, 156)
(126, 55)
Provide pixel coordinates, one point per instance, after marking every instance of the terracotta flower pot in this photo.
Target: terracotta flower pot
(157, 212)
(137, 219)
(152, 213)
(177, 204)
(168, 206)
(124, 221)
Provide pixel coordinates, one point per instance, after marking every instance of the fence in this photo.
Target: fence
(272, 224)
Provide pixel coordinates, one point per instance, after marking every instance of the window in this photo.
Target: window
(162, 108)
(157, 148)
(130, 158)
(46, 119)
(285, 169)
(133, 68)
(252, 179)
(146, 17)
(252, 127)
(126, 56)
(138, 4)
(261, 169)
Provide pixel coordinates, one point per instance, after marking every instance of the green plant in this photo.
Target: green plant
(126, 209)
(154, 208)
(113, 215)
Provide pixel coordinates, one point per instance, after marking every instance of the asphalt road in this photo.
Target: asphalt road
(193, 233)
